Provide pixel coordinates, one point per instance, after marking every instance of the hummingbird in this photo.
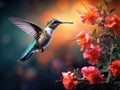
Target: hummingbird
(41, 37)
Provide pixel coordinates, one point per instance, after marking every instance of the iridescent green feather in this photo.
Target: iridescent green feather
(29, 49)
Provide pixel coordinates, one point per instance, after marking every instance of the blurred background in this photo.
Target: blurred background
(42, 70)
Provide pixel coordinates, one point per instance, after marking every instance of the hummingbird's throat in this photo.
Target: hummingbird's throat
(49, 30)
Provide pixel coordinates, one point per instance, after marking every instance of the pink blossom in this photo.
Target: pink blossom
(109, 22)
(84, 40)
(115, 68)
(68, 80)
(90, 16)
(92, 74)
(113, 24)
(93, 55)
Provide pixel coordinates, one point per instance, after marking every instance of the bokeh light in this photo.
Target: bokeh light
(61, 55)
(64, 32)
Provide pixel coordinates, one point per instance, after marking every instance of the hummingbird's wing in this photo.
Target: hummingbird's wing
(28, 27)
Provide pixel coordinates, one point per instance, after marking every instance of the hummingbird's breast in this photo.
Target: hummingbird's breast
(44, 39)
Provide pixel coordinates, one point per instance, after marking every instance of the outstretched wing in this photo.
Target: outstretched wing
(28, 27)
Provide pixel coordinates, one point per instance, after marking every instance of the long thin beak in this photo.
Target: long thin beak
(67, 23)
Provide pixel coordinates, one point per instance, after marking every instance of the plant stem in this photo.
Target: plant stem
(111, 52)
(110, 60)
(106, 4)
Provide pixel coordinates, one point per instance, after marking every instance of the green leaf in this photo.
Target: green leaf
(115, 85)
(104, 70)
(94, 34)
(114, 56)
(95, 31)
(76, 73)
(99, 7)
(103, 66)
(119, 55)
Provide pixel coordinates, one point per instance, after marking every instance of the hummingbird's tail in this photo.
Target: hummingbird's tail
(25, 57)
(28, 52)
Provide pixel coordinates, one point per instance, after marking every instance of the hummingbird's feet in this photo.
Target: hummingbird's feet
(42, 50)
(38, 50)
(19, 60)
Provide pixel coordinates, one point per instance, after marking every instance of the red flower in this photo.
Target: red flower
(84, 40)
(92, 74)
(90, 16)
(93, 55)
(115, 68)
(113, 24)
(68, 80)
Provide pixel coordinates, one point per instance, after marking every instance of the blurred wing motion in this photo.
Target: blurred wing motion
(29, 28)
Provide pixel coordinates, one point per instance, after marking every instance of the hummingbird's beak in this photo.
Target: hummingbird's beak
(67, 23)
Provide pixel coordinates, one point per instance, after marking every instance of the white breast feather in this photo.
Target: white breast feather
(49, 30)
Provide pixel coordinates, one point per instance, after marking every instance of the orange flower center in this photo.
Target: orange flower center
(94, 77)
(83, 41)
(91, 76)
(90, 14)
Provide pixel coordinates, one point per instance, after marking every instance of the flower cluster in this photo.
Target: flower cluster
(100, 48)
(92, 53)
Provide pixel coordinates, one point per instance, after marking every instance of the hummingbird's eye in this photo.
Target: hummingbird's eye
(50, 22)
(57, 22)
(53, 21)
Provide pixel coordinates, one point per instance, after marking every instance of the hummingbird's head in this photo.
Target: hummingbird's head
(53, 23)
